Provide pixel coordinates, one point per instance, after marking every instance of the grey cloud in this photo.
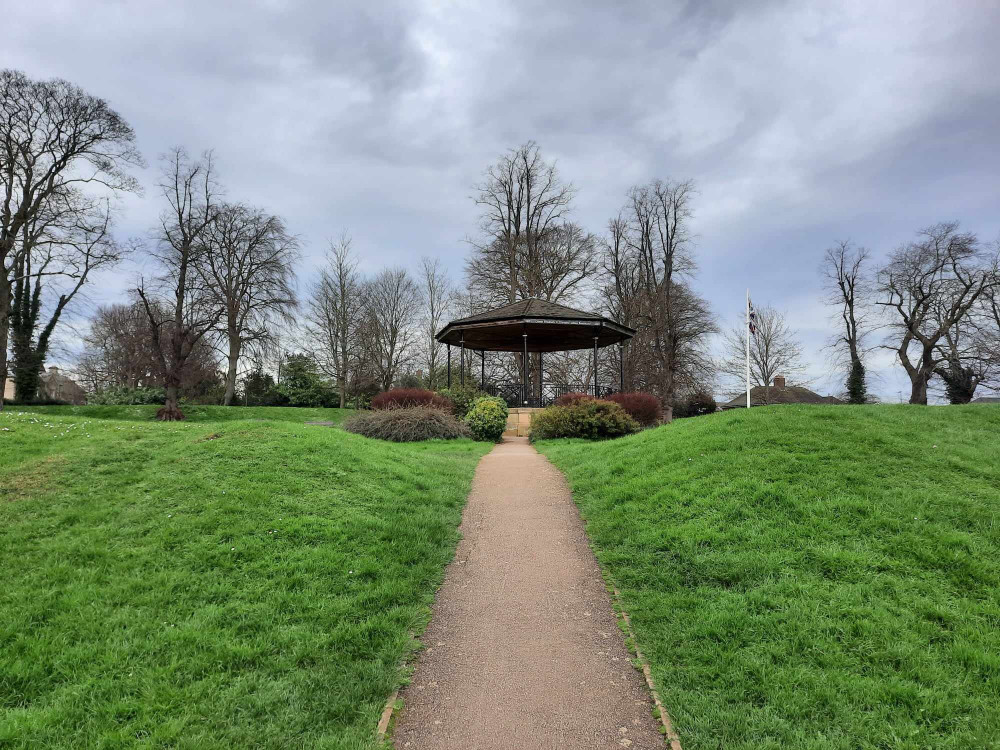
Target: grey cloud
(801, 123)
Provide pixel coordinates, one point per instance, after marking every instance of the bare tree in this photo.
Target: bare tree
(335, 312)
(245, 264)
(118, 353)
(438, 294)
(969, 356)
(59, 250)
(524, 201)
(185, 311)
(774, 350)
(646, 260)
(927, 288)
(391, 305)
(56, 141)
(970, 350)
(848, 288)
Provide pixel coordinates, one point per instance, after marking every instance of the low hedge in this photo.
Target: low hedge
(487, 418)
(404, 398)
(591, 419)
(644, 408)
(408, 425)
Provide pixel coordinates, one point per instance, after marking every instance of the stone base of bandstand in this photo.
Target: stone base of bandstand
(519, 421)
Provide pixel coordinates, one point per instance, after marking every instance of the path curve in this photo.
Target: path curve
(523, 650)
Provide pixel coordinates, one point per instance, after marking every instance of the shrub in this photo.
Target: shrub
(302, 385)
(259, 389)
(591, 419)
(487, 418)
(404, 398)
(573, 398)
(408, 424)
(695, 405)
(461, 398)
(122, 396)
(644, 408)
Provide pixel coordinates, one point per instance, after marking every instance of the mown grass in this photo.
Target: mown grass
(222, 582)
(809, 577)
(194, 413)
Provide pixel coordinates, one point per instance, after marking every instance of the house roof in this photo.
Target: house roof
(769, 395)
(544, 326)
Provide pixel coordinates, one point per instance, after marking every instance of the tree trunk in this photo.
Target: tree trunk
(27, 380)
(342, 380)
(171, 411)
(234, 359)
(918, 392)
(4, 331)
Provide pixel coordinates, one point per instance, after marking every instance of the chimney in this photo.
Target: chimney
(779, 381)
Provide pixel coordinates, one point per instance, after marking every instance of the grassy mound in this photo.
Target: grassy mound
(212, 583)
(193, 413)
(809, 577)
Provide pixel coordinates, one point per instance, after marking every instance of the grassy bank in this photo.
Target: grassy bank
(809, 577)
(237, 580)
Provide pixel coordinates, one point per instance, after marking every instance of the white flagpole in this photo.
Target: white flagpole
(748, 346)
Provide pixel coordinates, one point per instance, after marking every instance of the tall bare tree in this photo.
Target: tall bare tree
(646, 262)
(848, 288)
(928, 287)
(335, 313)
(774, 350)
(390, 335)
(245, 264)
(438, 294)
(523, 201)
(56, 141)
(57, 256)
(179, 308)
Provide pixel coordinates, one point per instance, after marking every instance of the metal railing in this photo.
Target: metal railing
(510, 391)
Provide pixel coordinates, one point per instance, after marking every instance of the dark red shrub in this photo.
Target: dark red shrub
(403, 398)
(644, 408)
(572, 399)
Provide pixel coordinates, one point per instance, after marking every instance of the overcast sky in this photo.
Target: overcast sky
(799, 125)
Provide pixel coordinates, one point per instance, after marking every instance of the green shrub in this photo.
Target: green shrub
(593, 420)
(487, 418)
(695, 404)
(461, 397)
(408, 425)
(122, 396)
(302, 385)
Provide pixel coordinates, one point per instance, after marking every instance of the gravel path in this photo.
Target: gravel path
(523, 650)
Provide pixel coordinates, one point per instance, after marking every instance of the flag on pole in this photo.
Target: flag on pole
(751, 317)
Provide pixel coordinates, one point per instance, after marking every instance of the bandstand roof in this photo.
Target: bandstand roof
(550, 327)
